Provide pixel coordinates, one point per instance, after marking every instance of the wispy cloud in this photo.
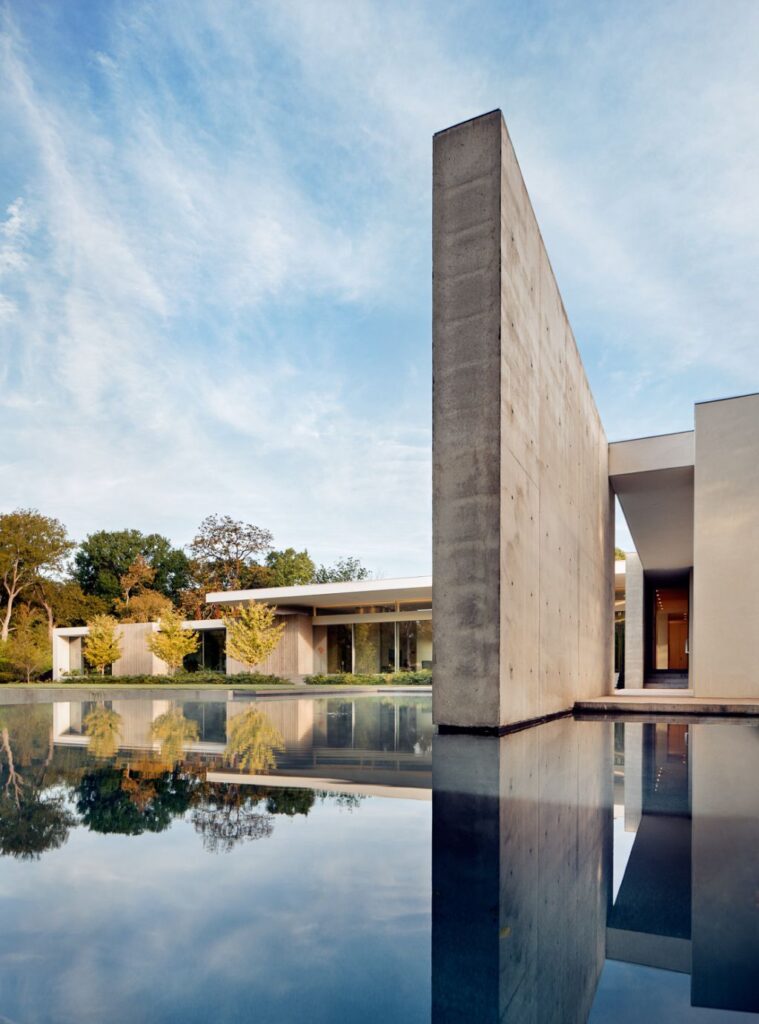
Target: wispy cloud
(214, 261)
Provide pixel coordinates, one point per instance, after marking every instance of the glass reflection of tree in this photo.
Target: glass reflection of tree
(31, 820)
(173, 731)
(103, 727)
(252, 742)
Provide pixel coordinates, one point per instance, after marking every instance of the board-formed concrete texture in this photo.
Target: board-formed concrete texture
(726, 549)
(523, 570)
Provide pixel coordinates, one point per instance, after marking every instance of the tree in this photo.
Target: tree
(131, 802)
(65, 603)
(138, 576)
(252, 742)
(173, 642)
(174, 732)
(619, 555)
(107, 555)
(223, 550)
(101, 645)
(253, 633)
(28, 646)
(289, 568)
(147, 606)
(31, 545)
(345, 570)
(103, 727)
(228, 816)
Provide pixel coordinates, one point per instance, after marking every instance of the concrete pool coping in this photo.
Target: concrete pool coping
(41, 693)
(668, 704)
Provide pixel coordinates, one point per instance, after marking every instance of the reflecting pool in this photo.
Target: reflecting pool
(226, 858)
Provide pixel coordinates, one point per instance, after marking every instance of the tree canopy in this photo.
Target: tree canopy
(31, 546)
(225, 550)
(289, 568)
(105, 557)
(345, 570)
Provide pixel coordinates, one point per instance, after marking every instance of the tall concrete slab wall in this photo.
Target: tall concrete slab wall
(726, 549)
(522, 516)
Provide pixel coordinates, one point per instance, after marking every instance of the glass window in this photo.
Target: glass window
(339, 649)
(375, 647)
(415, 645)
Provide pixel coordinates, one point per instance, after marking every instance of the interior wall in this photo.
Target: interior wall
(523, 571)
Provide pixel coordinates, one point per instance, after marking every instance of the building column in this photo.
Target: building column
(634, 674)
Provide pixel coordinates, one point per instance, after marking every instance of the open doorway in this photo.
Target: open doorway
(667, 602)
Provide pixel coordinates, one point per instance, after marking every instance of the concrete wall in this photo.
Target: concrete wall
(634, 673)
(726, 549)
(522, 516)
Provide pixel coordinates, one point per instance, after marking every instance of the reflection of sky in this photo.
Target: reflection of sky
(629, 994)
(310, 923)
(623, 844)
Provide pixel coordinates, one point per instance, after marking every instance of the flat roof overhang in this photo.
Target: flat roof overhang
(334, 595)
(653, 479)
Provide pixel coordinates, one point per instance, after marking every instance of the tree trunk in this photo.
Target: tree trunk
(7, 619)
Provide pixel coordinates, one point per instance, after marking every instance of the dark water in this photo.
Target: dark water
(333, 860)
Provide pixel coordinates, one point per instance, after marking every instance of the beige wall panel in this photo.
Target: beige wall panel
(284, 660)
(633, 622)
(135, 658)
(726, 548)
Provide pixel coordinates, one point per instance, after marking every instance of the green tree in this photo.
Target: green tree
(173, 731)
(101, 645)
(289, 568)
(31, 546)
(224, 551)
(147, 606)
(252, 633)
(103, 727)
(131, 802)
(345, 570)
(107, 555)
(619, 555)
(173, 642)
(252, 742)
(28, 646)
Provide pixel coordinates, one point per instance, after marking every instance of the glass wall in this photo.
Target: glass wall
(375, 647)
(339, 649)
(369, 648)
(415, 645)
(211, 653)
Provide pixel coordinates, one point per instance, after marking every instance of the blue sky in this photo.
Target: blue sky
(215, 244)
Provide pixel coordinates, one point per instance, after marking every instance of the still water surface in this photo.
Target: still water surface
(330, 859)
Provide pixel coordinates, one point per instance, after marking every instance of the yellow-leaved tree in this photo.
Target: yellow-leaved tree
(102, 726)
(101, 645)
(253, 633)
(172, 642)
(173, 731)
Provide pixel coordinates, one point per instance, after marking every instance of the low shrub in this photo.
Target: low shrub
(183, 678)
(421, 678)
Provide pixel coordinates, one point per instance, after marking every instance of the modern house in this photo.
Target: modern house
(368, 626)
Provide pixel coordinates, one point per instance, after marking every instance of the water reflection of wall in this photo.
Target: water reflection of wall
(521, 872)
(365, 738)
(725, 928)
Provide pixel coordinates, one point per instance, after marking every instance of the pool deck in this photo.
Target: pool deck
(666, 702)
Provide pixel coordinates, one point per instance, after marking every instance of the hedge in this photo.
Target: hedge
(422, 678)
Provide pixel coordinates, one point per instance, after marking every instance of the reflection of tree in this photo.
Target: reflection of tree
(227, 817)
(290, 801)
(137, 799)
(252, 742)
(103, 726)
(31, 822)
(174, 732)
